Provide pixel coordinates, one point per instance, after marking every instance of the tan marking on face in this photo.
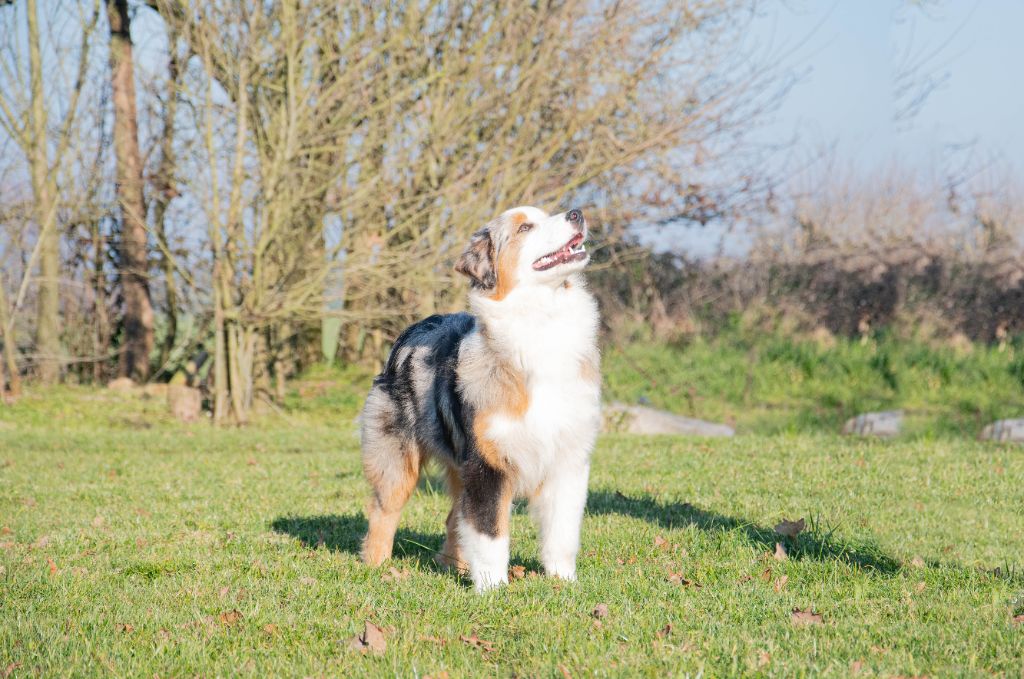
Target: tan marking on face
(507, 259)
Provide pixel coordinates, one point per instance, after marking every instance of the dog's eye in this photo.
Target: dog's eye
(525, 226)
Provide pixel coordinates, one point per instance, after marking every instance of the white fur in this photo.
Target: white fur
(546, 330)
(487, 557)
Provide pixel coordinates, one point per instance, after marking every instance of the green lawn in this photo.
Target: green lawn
(135, 546)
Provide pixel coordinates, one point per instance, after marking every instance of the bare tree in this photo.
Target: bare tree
(134, 254)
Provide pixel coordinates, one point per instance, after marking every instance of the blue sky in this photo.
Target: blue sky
(851, 52)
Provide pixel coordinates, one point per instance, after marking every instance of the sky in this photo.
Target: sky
(851, 53)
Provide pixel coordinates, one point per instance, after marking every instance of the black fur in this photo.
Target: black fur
(437, 418)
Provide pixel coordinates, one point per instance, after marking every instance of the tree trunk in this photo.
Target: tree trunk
(7, 337)
(45, 193)
(138, 309)
(165, 192)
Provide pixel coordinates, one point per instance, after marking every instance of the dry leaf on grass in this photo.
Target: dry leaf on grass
(517, 572)
(600, 611)
(9, 670)
(780, 552)
(443, 674)
(476, 642)
(395, 575)
(745, 578)
(780, 584)
(270, 628)
(790, 529)
(763, 659)
(53, 566)
(124, 628)
(223, 592)
(664, 631)
(766, 575)
(230, 617)
(917, 562)
(806, 616)
(678, 579)
(856, 666)
(564, 670)
(660, 542)
(371, 640)
(434, 640)
(920, 587)
(1018, 619)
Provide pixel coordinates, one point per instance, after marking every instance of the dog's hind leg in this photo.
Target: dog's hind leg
(392, 465)
(393, 475)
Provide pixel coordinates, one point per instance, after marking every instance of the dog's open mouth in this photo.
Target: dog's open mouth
(573, 251)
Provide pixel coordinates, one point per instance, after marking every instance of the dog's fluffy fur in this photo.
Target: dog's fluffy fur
(507, 399)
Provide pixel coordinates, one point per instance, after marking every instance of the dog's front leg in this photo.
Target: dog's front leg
(558, 509)
(483, 525)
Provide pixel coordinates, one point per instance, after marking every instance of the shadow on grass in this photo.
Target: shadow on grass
(810, 544)
(344, 533)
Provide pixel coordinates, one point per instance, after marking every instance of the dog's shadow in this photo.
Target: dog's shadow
(344, 533)
(812, 544)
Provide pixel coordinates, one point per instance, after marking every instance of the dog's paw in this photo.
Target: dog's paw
(485, 581)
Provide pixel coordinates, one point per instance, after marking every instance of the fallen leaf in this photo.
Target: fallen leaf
(856, 666)
(763, 659)
(790, 529)
(6, 530)
(780, 552)
(434, 640)
(745, 578)
(443, 674)
(917, 562)
(163, 634)
(1018, 619)
(565, 672)
(806, 616)
(476, 642)
(142, 512)
(780, 584)
(53, 566)
(517, 572)
(600, 611)
(920, 587)
(252, 462)
(9, 670)
(395, 575)
(270, 628)
(678, 579)
(372, 640)
(29, 501)
(766, 575)
(664, 631)
(223, 592)
(660, 542)
(230, 617)
(97, 522)
(124, 628)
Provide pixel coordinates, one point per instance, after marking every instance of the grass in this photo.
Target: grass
(769, 383)
(132, 545)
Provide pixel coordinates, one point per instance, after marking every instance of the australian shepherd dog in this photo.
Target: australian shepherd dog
(506, 397)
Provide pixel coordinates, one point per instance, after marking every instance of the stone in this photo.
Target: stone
(185, 403)
(1004, 430)
(121, 384)
(886, 423)
(619, 417)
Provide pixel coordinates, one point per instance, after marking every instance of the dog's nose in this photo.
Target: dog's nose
(574, 217)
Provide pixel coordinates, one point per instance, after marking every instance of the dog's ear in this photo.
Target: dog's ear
(477, 260)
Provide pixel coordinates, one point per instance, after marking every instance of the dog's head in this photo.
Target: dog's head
(525, 246)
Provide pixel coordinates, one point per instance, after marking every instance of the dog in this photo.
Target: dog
(506, 397)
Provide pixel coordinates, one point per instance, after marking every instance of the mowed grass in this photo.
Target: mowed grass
(136, 546)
